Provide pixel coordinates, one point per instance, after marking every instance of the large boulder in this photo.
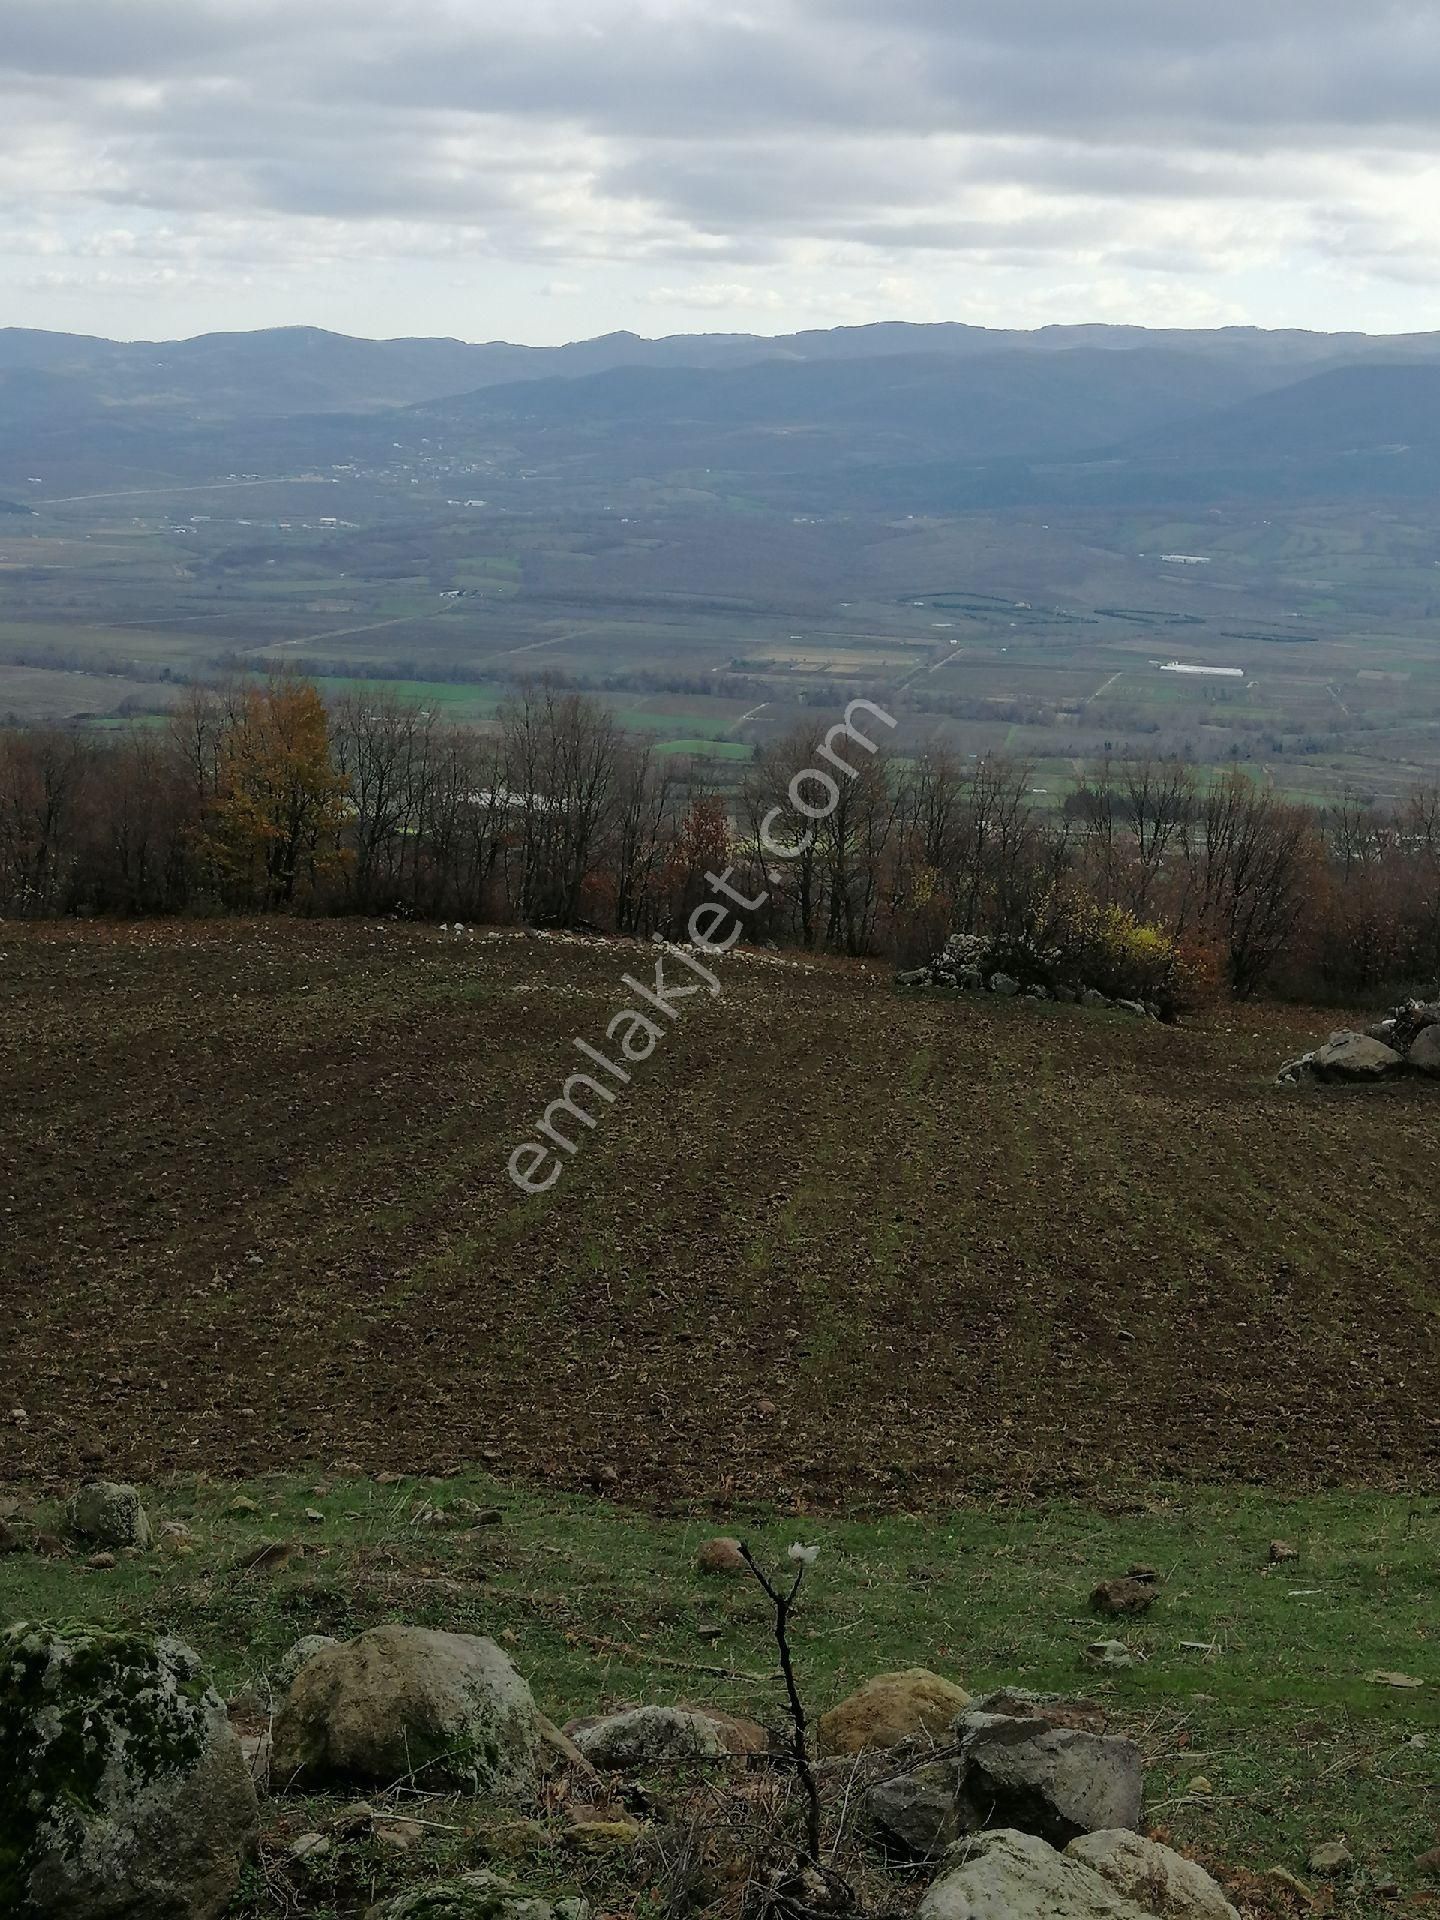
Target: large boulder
(1424, 1054)
(913, 1814)
(107, 1513)
(1354, 1056)
(1160, 1880)
(1055, 1782)
(406, 1703)
(1004, 1875)
(479, 1895)
(123, 1788)
(890, 1708)
(644, 1737)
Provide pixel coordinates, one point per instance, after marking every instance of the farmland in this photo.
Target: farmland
(835, 1246)
(1040, 636)
(988, 1299)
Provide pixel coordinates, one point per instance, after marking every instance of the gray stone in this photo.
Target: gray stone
(914, 1813)
(1424, 1054)
(109, 1514)
(1090, 998)
(1353, 1056)
(1005, 985)
(915, 977)
(1005, 1875)
(123, 1787)
(1158, 1879)
(1054, 1781)
(405, 1703)
(305, 1648)
(1331, 1857)
(1068, 996)
(478, 1895)
(650, 1737)
(1137, 1007)
(1108, 1655)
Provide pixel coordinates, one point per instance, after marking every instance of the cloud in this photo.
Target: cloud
(1114, 141)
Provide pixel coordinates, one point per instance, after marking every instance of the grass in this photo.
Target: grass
(1249, 1674)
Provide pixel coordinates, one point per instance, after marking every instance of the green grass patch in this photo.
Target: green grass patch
(1255, 1675)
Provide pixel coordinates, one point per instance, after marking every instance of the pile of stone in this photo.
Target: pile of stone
(1407, 1041)
(969, 963)
(1029, 1806)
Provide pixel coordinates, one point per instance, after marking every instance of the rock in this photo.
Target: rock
(1137, 1007)
(1056, 1782)
(1090, 998)
(1005, 984)
(605, 1836)
(100, 1562)
(123, 1789)
(1005, 1875)
(1067, 996)
(914, 977)
(1331, 1857)
(400, 1836)
(109, 1514)
(890, 1708)
(644, 1737)
(305, 1648)
(1160, 1881)
(1429, 1863)
(557, 1749)
(1424, 1054)
(1108, 1656)
(1055, 1709)
(255, 1747)
(913, 1814)
(721, 1555)
(309, 1846)
(443, 1709)
(480, 1895)
(1200, 1787)
(242, 1504)
(1281, 1551)
(1124, 1596)
(1351, 1057)
(1383, 1030)
(511, 1838)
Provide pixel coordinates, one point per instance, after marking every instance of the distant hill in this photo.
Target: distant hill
(888, 417)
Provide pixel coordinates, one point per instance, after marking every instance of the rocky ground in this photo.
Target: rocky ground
(1267, 1667)
(836, 1242)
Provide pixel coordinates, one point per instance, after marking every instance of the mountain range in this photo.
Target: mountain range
(887, 417)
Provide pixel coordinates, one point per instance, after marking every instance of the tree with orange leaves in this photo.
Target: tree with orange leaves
(273, 824)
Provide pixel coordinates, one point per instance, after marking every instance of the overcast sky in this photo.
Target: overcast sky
(558, 168)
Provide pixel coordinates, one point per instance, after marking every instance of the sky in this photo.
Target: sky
(556, 169)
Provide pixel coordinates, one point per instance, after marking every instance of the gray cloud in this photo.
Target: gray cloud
(1168, 138)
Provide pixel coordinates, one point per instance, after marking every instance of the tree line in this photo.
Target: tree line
(260, 798)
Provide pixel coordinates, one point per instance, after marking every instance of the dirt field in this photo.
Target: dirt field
(833, 1245)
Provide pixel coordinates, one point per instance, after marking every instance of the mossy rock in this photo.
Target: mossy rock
(445, 1710)
(123, 1788)
(107, 1513)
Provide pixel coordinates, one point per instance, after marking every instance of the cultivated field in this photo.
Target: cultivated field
(832, 1245)
(1043, 633)
(988, 1299)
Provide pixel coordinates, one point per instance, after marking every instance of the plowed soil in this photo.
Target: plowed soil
(833, 1245)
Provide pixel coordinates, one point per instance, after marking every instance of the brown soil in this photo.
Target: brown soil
(832, 1245)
